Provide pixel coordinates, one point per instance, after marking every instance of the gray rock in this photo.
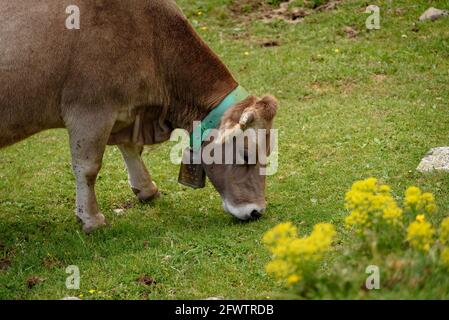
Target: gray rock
(433, 14)
(436, 159)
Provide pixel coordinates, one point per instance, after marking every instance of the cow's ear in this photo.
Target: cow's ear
(247, 119)
(256, 114)
(268, 107)
(233, 128)
(264, 111)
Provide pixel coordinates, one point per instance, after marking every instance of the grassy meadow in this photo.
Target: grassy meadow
(350, 108)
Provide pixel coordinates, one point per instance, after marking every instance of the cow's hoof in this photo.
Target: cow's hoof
(93, 223)
(147, 194)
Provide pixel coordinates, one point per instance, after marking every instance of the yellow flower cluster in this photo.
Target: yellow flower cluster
(292, 254)
(280, 235)
(372, 210)
(370, 202)
(418, 201)
(420, 234)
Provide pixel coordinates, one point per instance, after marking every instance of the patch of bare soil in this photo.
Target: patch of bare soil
(269, 43)
(379, 77)
(350, 32)
(331, 5)
(284, 12)
(247, 10)
(33, 281)
(146, 280)
(242, 7)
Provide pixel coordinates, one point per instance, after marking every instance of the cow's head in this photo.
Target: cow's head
(241, 184)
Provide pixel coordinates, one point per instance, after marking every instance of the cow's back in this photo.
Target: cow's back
(32, 64)
(47, 68)
(126, 53)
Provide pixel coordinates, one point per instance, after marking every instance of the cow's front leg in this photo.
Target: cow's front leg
(139, 177)
(88, 138)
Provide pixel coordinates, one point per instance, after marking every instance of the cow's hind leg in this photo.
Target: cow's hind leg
(88, 137)
(138, 175)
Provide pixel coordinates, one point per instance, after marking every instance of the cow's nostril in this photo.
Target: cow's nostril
(256, 214)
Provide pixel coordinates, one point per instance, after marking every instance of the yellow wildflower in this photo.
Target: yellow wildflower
(420, 218)
(291, 254)
(281, 233)
(416, 200)
(392, 214)
(369, 202)
(313, 247)
(357, 218)
(323, 235)
(412, 195)
(420, 234)
(91, 291)
(293, 279)
(279, 268)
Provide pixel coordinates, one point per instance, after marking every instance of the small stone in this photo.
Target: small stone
(119, 212)
(436, 160)
(433, 14)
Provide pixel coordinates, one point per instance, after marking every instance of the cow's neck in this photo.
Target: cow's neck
(196, 81)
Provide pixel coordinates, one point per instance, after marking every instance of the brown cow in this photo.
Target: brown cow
(132, 73)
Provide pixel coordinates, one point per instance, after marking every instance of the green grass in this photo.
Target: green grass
(372, 109)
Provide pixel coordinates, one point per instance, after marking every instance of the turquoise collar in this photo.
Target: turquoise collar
(213, 119)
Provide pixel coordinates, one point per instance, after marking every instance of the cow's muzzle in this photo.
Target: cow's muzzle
(244, 212)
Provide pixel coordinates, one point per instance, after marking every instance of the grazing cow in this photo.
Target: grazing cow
(134, 71)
